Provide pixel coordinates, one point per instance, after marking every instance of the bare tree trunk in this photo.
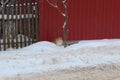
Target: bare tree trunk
(65, 24)
(64, 14)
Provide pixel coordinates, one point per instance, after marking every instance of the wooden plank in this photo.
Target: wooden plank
(7, 22)
(32, 21)
(16, 24)
(0, 35)
(29, 25)
(12, 21)
(24, 22)
(3, 27)
(36, 19)
(20, 24)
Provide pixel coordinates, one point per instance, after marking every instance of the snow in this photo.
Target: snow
(46, 56)
(42, 47)
(94, 43)
(17, 16)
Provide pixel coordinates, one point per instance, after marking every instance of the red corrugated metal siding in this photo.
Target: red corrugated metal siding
(88, 19)
(51, 22)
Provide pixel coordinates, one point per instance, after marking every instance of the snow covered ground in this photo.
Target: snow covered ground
(45, 56)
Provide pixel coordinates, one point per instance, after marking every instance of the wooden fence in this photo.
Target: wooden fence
(18, 23)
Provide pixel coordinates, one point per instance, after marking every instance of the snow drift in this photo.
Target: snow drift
(45, 56)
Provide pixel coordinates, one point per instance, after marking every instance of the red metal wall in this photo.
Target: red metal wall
(88, 19)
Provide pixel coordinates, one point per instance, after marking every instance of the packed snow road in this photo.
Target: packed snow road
(101, 72)
(46, 59)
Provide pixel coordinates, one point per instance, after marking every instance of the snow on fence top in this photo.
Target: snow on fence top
(21, 16)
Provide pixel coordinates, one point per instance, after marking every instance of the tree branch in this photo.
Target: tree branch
(56, 6)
